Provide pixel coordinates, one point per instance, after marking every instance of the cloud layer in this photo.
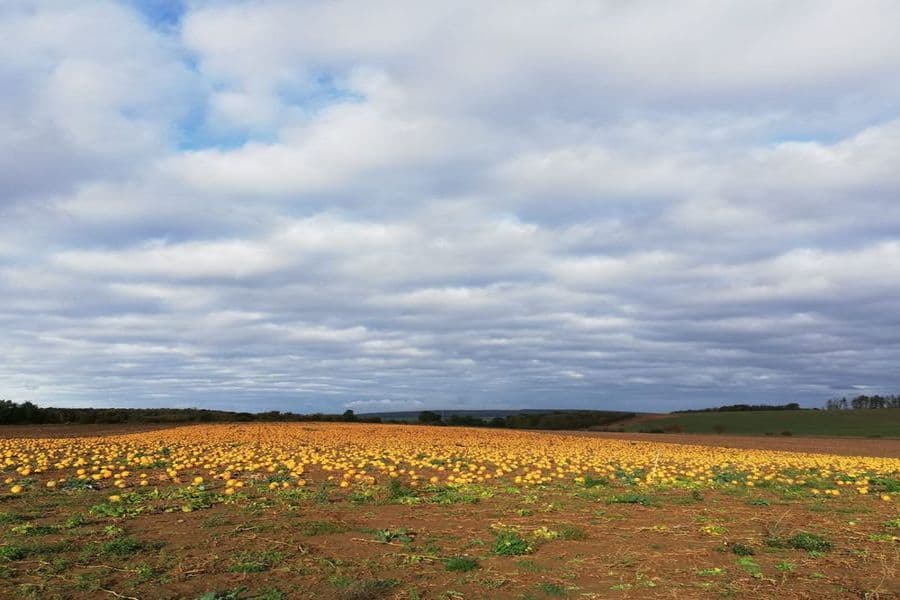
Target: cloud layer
(321, 205)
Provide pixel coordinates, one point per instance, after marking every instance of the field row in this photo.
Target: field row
(274, 511)
(357, 456)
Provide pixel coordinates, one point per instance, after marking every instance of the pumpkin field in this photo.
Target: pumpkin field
(354, 511)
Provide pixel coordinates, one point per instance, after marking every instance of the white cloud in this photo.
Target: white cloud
(409, 205)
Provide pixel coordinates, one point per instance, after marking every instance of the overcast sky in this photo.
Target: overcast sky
(322, 205)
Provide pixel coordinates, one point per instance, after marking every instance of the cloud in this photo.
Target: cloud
(316, 206)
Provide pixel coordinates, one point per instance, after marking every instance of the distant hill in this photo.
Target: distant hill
(829, 423)
(571, 419)
(413, 415)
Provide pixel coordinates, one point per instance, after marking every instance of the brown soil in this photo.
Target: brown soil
(889, 448)
(71, 431)
(315, 546)
(679, 547)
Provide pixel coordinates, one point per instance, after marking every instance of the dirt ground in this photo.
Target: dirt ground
(72, 431)
(603, 540)
(680, 545)
(842, 446)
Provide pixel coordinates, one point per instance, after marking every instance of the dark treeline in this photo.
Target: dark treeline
(863, 402)
(26, 413)
(563, 419)
(743, 407)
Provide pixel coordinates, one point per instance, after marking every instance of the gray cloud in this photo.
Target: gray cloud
(313, 206)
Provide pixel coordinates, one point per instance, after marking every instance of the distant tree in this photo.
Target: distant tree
(429, 417)
(348, 415)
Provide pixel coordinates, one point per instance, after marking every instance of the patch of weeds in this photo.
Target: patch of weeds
(794, 492)
(742, 549)
(393, 535)
(885, 484)
(475, 543)
(255, 562)
(363, 496)
(340, 581)
(37, 591)
(571, 532)
(280, 477)
(711, 572)
(524, 512)
(555, 590)
(124, 546)
(399, 492)
(13, 552)
(59, 565)
(544, 533)
(413, 559)
(30, 529)
(7, 518)
(727, 475)
(784, 566)
(214, 521)
(758, 502)
(369, 590)
(631, 498)
(113, 531)
(714, 529)
(311, 528)
(892, 524)
(48, 550)
(510, 543)
(461, 564)
(750, 566)
(195, 498)
(529, 566)
(292, 496)
(88, 582)
(881, 537)
(75, 521)
(115, 510)
(592, 482)
(144, 573)
(323, 494)
(74, 484)
(492, 583)
(253, 507)
(802, 541)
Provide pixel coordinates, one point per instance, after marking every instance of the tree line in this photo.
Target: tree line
(560, 419)
(27, 413)
(863, 402)
(743, 407)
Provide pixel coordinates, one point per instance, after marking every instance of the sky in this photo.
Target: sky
(323, 205)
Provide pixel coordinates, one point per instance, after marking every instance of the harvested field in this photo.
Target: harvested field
(889, 448)
(360, 511)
